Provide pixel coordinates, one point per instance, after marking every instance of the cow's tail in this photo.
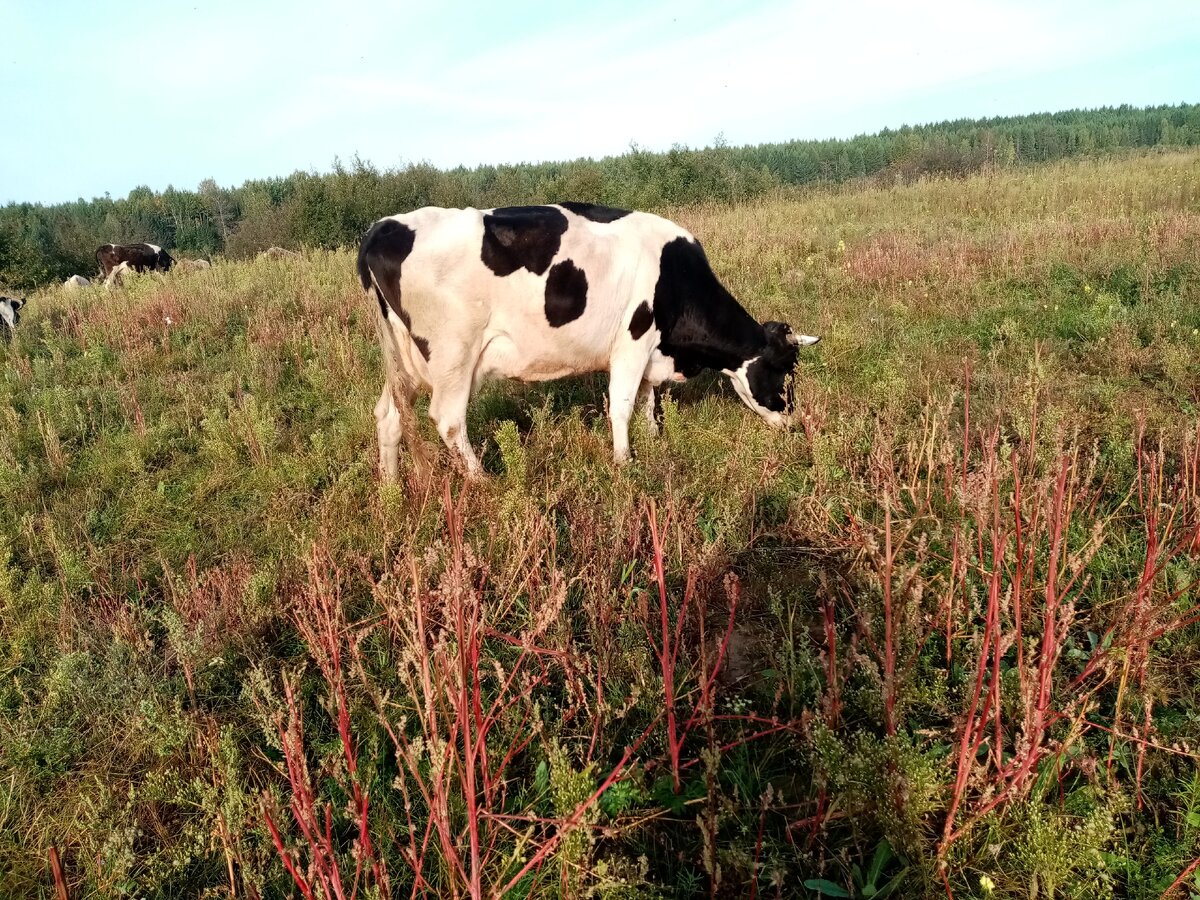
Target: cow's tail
(401, 383)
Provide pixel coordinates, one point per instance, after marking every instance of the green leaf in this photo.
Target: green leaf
(664, 794)
(826, 888)
(619, 798)
(883, 853)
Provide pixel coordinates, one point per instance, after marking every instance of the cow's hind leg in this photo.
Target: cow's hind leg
(387, 428)
(394, 415)
(395, 421)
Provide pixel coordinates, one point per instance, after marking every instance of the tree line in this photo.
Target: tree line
(42, 243)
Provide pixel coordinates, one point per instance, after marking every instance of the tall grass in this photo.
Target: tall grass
(938, 638)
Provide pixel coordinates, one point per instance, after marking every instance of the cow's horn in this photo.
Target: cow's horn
(801, 340)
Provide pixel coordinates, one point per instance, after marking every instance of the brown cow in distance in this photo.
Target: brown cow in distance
(139, 256)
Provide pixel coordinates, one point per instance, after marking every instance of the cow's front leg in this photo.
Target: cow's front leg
(624, 387)
(448, 409)
(645, 402)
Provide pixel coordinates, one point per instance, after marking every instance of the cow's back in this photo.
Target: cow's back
(480, 262)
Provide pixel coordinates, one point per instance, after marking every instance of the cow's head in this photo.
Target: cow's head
(10, 315)
(165, 261)
(764, 382)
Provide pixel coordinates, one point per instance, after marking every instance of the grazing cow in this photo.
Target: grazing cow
(139, 256)
(75, 282)
(10, 316)
(540, 292)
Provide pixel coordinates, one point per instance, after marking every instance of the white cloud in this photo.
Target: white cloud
(770, 74)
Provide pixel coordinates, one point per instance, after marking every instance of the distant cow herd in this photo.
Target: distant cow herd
(532, 293)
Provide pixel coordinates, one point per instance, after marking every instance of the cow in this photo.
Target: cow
(186, 266)
(278, 253)
(536, 293)
(75, 282)
(10, 316)
(139, 256)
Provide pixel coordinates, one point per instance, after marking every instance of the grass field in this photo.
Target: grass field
(939, 639)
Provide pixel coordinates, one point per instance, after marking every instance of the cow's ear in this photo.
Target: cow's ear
(781, 351)
(17, 304)
(777, 331)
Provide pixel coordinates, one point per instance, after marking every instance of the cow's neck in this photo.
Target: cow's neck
(702, 325)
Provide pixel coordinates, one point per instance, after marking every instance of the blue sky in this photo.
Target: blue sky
(101, 97)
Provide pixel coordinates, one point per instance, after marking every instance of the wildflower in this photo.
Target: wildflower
(1087, 288)
(986, 884)
(167, 319)
(841, 246)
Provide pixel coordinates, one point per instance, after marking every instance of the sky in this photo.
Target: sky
(99, 97)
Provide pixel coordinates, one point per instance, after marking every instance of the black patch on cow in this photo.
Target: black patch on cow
(383, 252)
(702, 325)
(422, 345)
(522, 237)
(643, 316)
(566, 293)
(106, 259)
(594, 212)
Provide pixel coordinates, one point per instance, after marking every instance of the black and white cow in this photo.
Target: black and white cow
(10, 316)
(139, 256)
(540, 292)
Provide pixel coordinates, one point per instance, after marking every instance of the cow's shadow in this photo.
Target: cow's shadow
(585, 396)
(582, 395)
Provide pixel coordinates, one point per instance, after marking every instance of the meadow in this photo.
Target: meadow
(940, 639)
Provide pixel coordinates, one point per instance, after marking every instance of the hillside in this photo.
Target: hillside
(941, 636)
(45, 244)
